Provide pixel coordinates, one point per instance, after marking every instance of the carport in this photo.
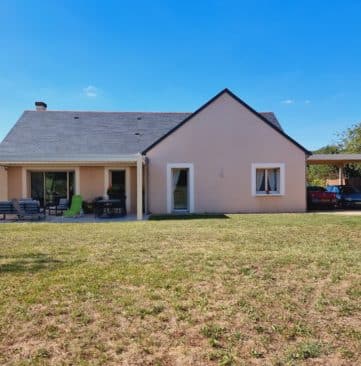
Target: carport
(339, 160)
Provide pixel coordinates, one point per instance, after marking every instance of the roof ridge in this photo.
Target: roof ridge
(77, 111)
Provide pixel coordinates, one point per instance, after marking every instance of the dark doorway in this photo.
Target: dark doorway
(117, 184)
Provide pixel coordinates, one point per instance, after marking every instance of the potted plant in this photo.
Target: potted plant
(88, 207)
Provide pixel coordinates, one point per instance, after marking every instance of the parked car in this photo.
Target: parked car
(346, 196)
(319, 197)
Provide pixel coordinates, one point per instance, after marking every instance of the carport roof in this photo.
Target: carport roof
(335, 159)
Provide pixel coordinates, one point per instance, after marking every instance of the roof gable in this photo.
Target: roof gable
(268, 117)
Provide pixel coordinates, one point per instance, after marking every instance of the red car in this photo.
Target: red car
(319, 197)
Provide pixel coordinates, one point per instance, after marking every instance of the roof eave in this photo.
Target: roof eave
(131, 158)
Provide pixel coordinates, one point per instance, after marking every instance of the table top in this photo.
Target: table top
(109, 200)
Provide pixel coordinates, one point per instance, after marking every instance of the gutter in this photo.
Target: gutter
(104, 160)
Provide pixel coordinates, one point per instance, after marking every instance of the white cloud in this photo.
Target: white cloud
(307, 101)
(287, 101)
(90, 91)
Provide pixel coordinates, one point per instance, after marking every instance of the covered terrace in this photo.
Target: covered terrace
(339, 160)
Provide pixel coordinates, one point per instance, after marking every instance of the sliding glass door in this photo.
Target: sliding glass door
(50, 187)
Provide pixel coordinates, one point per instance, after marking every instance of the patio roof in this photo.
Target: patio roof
(74, 159)
(334, 159)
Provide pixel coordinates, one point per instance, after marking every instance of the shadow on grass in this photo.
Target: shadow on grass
(32, 262)
(188, 217)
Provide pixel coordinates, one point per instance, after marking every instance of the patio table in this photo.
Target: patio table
(110, 208)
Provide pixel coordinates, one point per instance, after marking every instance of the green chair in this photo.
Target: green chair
(75, 208)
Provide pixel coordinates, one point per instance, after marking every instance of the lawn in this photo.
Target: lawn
(244, 290)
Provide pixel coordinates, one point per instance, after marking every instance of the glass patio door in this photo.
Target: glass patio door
(50, 187)
(180, 189)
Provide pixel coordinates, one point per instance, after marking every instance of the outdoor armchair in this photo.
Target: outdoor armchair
(27, 210)
(75, 208)
(62, 206)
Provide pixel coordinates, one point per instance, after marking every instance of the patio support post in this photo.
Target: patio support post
(3, 183)
(77, 180)
(24, 187)
(106, 181)
(340, 174)
(140, 188)
(146, 187)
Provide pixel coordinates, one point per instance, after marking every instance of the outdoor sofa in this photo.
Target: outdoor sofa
(26, 209)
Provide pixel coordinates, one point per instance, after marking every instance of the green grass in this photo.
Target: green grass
(249, 289)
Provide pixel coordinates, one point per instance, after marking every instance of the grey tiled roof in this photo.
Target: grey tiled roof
(336, 158)
(81, 133)
(271, 117)
(53, 135)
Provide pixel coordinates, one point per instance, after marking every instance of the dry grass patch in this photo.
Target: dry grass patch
(247, 290)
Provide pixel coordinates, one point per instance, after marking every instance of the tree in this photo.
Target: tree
(349, 141)
(317, 175)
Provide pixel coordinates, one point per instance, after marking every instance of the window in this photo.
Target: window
(267, 179)
(348, 190)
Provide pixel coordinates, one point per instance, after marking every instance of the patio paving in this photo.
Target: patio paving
(339, 212)
(80, 219)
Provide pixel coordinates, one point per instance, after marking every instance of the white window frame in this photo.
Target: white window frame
(280, 166)
(190, 168)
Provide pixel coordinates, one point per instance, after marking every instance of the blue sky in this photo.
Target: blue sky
(300, 59)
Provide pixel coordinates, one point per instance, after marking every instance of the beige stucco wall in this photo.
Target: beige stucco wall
(15, 183)
(91, 182)
(222, 142)
(3, 184)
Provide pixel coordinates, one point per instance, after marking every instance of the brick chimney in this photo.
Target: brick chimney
(40, 106)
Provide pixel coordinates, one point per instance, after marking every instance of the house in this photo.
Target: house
(224, 157)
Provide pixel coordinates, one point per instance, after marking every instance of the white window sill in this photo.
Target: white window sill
(180, 210)
(268, 195)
